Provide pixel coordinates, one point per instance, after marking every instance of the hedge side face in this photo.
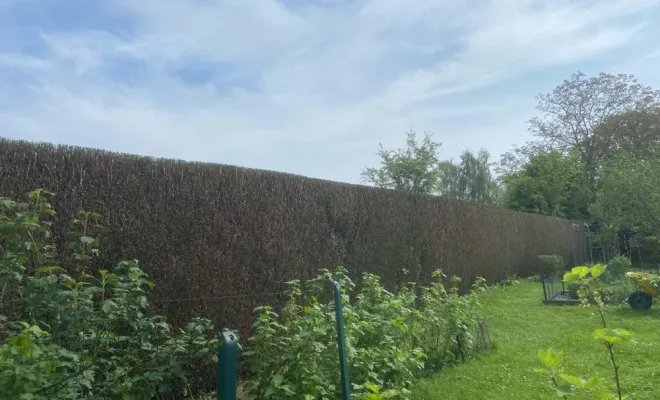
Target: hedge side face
(210, 230)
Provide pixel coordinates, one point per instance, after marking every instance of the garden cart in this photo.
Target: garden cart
(648, 283)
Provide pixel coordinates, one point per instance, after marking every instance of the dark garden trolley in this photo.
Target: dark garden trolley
(648, 283)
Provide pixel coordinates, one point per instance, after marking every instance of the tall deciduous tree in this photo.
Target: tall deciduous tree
(550, 184)
(515, 159)
(575, 114)
(413, 169)
(638, 132)
(471, 179)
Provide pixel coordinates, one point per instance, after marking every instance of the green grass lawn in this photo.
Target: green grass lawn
(520, 325)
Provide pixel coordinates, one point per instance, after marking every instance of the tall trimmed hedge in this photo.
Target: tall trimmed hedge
(204, 231)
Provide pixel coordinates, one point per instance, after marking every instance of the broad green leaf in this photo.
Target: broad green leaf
(36, 331)
(625, 336)
(604, 334)
(581, 271)
(593, 383)
(549, 358)
(612, 336)
(597, 270)
(571, 277)
(563, 390)
(622, 332)
(86, 239)
(373, 387)
(7, 202)
(108, 306)
(573, 380)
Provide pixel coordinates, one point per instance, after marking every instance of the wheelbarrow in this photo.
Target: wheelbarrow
(643, 299)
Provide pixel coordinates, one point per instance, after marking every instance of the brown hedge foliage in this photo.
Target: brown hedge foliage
(204, 231)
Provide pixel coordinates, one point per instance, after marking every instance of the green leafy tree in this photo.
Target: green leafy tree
(471, 179)
(575, 115)
(413, 169)
(515, 159)
(630, 192)
(417, 169)
(550, 184)
(638, 132)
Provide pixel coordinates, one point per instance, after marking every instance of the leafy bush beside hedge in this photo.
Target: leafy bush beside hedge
(85, 332)
(617, 268)
(391, 338)
(551, 265)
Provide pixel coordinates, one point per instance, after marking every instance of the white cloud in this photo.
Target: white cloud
(339, 76)
(23, 62)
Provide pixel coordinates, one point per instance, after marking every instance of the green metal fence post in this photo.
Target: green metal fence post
(227, 366)
(341, 340)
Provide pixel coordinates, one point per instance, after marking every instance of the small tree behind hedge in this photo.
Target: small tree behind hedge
(84, 334)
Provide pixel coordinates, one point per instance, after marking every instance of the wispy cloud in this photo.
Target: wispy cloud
(308, 87)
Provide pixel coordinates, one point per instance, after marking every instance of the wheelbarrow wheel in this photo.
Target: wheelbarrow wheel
(640, 300)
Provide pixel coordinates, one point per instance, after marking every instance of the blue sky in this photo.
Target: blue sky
(303, 86)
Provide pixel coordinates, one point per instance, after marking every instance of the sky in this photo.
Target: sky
(309, 87)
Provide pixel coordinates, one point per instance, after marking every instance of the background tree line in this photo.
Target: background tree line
(419, 169)
(595, 157)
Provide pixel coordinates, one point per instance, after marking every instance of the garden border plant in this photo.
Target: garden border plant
(391, 338)
(83, 332)
(568, 385)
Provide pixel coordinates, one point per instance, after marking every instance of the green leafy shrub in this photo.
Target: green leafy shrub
(66, 337)
(618, 291)
(572, 288)
(617, 268)
(449, 323)
(511, 281)
(551, 265)
(390, 338)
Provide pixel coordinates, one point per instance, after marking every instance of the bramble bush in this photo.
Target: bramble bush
(82, 333)
(391, 338)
